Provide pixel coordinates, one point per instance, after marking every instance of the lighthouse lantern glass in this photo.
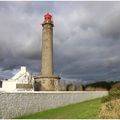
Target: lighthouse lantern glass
(48, 17)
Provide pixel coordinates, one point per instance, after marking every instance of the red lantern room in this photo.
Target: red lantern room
(47, 18)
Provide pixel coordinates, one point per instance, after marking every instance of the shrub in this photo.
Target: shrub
(111, 96)
(105, 99)
(89, 88)
(110, 110)
(116, 86)
(71, 87)
(80, 87)
(103, 85)
(111, 106)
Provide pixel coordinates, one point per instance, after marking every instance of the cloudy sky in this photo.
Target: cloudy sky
(86, 39)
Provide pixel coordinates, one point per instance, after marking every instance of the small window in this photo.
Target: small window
(0, 84)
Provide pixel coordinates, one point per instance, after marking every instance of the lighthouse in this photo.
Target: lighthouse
(47, 80)
(47, 67)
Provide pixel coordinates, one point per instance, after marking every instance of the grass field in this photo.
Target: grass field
(82, 110)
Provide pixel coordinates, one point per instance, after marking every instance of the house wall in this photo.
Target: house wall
(9, 86)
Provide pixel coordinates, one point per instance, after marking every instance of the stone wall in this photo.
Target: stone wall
(14, 104)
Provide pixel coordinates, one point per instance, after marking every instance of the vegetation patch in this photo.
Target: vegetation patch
(113, 95)
(111, 107)
(110, 110)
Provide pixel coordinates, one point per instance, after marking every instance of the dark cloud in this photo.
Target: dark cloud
(110, 26)
(86, 38)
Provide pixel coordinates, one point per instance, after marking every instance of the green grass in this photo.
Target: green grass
(83, 110)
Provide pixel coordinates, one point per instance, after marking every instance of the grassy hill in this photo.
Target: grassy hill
(86, 109)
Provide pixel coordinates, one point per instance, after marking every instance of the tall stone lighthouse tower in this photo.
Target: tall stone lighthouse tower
(47, 81)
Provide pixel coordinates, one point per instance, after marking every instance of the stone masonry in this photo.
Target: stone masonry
(47, 81)
(14, 104)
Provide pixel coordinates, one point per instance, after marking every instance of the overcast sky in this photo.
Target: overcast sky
(86, 39)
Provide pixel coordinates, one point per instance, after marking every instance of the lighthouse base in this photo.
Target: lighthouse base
(47, 83)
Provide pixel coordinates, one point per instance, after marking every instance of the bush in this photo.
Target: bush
(105, 99)
(116, 86)
(111, 106)
(113, 95)
(89, 88)
(103, 85)
(110, 110)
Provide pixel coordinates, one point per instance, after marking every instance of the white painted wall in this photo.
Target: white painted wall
(22, 77)
(9, 86)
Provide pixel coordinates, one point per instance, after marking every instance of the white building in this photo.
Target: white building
(22, 81)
